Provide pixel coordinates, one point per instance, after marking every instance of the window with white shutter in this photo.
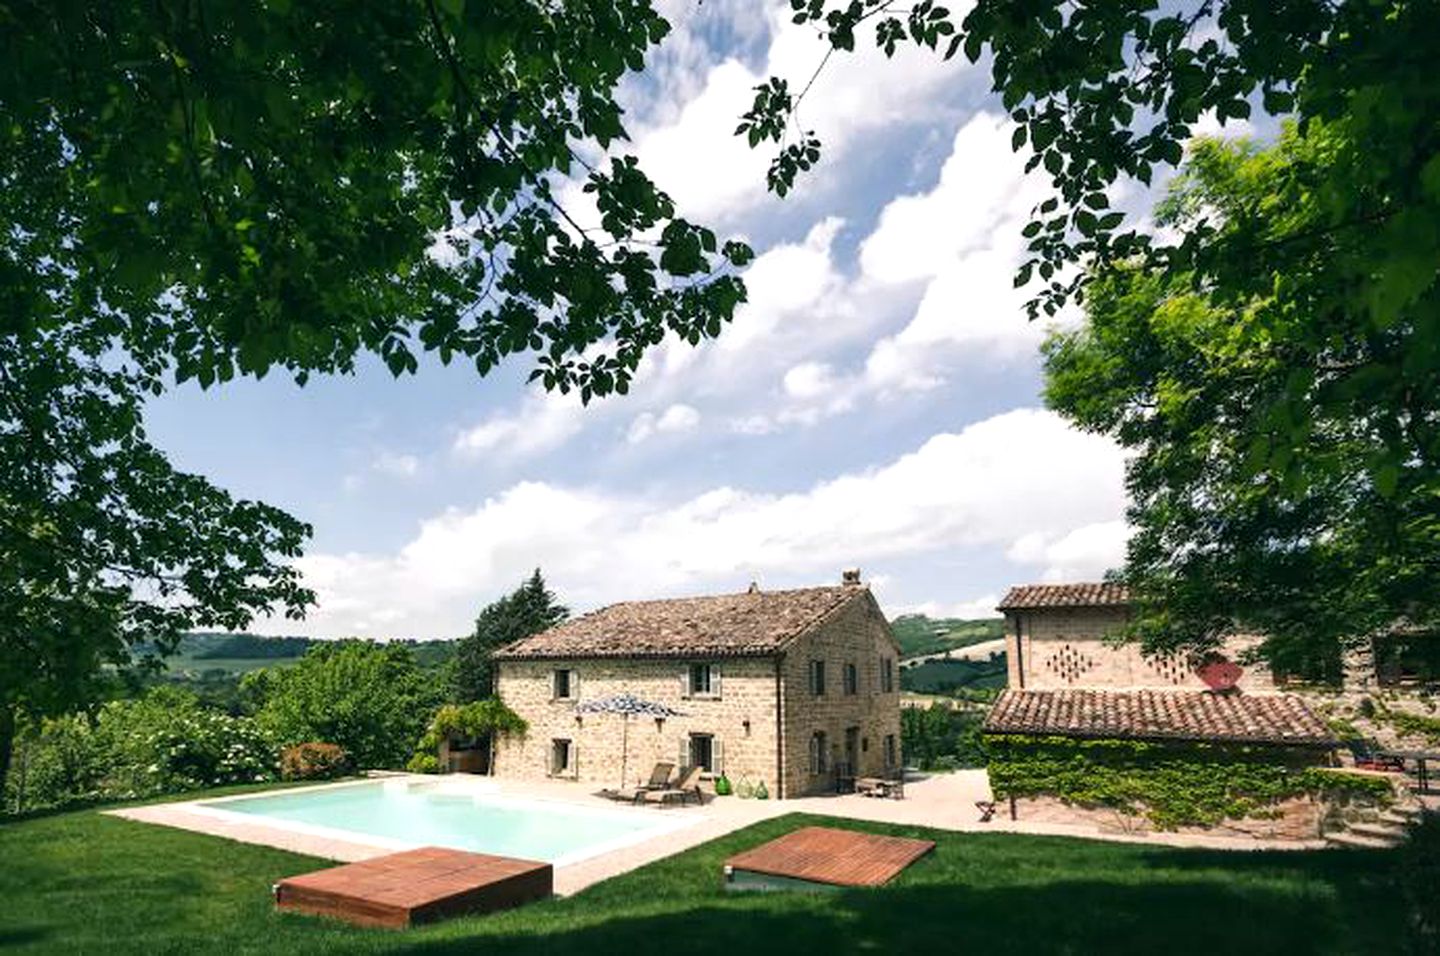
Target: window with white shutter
(564, 684)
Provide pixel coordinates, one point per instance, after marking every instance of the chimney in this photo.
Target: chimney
(850, 577)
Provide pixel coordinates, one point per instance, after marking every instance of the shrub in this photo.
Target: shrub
(54, 763)
(423, 763)
(313, 761)
(165, 742)
(1419, 874)
(371, 699)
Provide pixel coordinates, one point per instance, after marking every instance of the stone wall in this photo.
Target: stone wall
(858, 634)
(741, 719)
(1297, 818)
(1050, 648)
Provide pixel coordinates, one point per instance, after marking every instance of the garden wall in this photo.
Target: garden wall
(1269, 792)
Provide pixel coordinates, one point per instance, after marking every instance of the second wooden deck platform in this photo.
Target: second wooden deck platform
(826, 856)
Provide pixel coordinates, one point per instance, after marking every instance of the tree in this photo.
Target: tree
(199, 190)
(230, 187)
(370, 698)
(1286, 467)
(103, 545)
(529, 609)
(1109, 91)
(1276, 364)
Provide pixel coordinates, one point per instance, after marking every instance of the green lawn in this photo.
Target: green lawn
(83, 882)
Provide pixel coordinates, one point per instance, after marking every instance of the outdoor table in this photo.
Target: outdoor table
(1422, 759)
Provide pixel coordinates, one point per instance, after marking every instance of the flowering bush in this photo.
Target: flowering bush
(313, 761)
(166, 742)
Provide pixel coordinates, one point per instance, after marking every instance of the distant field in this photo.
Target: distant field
(185, 664)
(242, 653)
(920, 635)
(946, 677)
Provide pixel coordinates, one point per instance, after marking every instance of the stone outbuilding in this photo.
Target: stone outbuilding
(791, 688)
(1061, 636)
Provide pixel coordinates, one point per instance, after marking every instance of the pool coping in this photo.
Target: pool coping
(675, 829)
(482, 791)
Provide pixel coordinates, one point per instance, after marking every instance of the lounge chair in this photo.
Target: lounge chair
(686, 787)
(659, 780)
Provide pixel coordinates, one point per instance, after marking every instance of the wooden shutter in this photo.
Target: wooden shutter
(684, 760)
(715, 680)
(717, 756)
(574, 770)
(574, 685)
(685, 682)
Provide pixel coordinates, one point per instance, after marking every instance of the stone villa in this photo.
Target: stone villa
(789, 688)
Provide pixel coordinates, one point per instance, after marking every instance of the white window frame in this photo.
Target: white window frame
(572, 684)
(712, 673)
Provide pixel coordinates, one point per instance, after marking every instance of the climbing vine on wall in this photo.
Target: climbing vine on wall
(1172, 785)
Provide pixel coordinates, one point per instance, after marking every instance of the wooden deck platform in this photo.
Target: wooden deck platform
(826, 856)
(416, 886)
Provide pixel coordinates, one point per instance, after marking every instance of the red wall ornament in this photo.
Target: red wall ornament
(1220, 673)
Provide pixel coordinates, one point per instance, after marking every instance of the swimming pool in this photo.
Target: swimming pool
(403, 814)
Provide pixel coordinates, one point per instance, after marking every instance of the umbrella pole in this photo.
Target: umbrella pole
(624, 747)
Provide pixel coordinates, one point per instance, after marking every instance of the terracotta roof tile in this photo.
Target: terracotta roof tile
(749, 624)
(1091, 594)
(1158, 715)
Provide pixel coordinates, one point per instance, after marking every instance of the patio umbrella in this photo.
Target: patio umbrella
(627, 706)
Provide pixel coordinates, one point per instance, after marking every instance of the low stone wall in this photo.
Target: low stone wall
(1298, 819)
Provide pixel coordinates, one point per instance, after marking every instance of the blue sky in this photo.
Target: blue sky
(875, 405)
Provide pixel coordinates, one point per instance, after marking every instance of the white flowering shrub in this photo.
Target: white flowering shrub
(166, 742)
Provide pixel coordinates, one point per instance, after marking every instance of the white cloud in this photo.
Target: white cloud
(543, 422)
(676, 418)
(809, 380)
(979, 203)
(714, 175)
(398, 466)
(1084, 553)
(991, 485)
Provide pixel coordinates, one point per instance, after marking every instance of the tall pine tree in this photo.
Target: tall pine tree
(529, 609)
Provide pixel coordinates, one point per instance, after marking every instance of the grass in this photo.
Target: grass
(84, 882)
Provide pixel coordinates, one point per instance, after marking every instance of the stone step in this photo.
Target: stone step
(1355, 841)
(1410, 811)
(1400, 818)
(1382, 831)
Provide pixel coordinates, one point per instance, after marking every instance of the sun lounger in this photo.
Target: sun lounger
(686, 787)
(659, 780)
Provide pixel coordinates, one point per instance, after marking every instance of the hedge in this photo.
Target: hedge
(1172, 785)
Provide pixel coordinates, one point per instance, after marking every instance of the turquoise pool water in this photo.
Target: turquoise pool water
(428, 817)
